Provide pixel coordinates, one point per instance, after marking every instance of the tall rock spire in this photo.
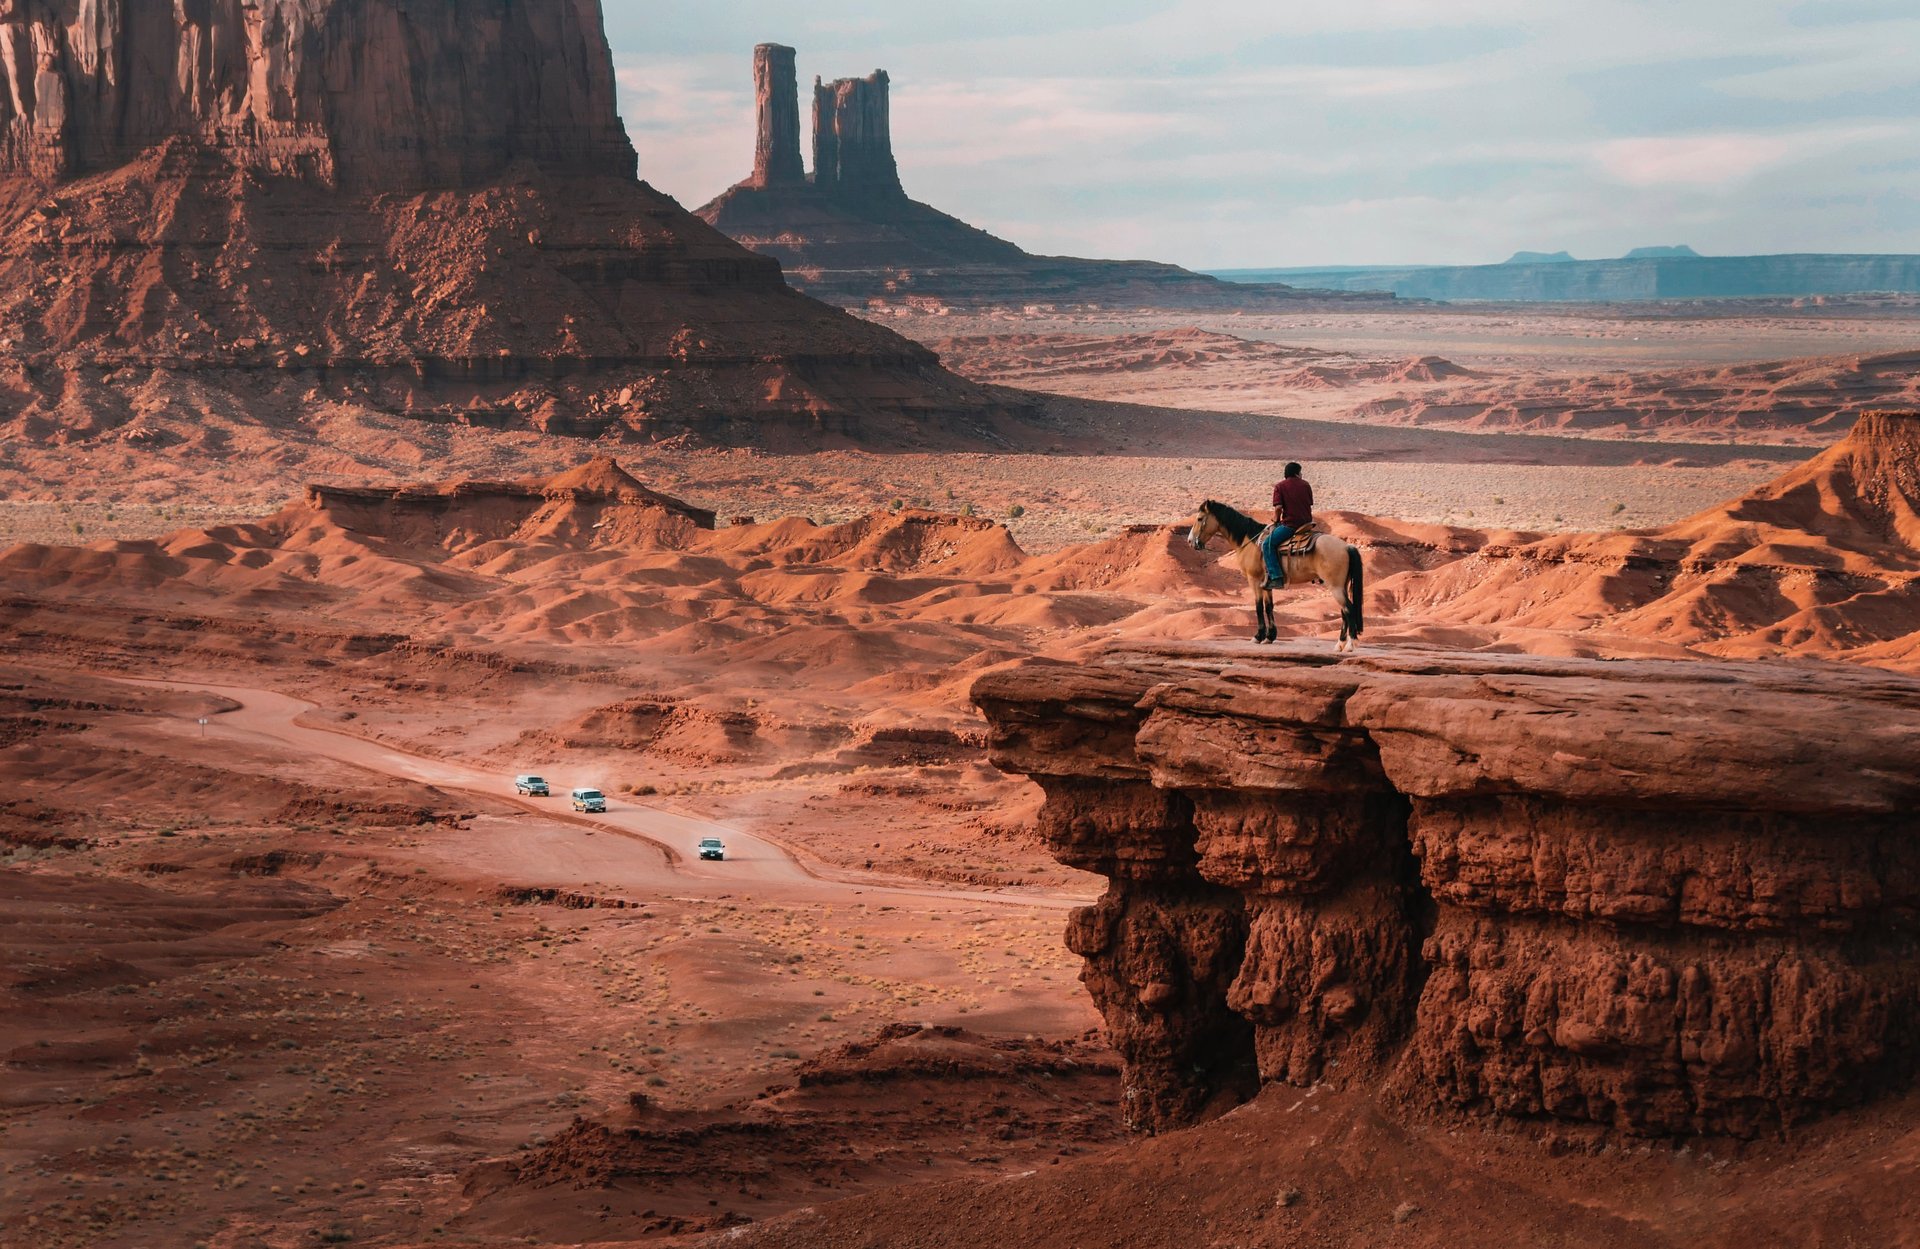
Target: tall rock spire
(853, 139)
(776, 97)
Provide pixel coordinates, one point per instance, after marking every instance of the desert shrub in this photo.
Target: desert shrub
(1016, 512)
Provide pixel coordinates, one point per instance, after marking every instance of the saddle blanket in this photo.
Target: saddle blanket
(1301, 543)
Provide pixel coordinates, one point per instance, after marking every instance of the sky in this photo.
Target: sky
(1241, 133)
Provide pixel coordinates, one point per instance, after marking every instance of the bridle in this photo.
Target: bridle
(1203, 530)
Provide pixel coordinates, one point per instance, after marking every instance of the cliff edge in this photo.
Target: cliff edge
(1667, 898)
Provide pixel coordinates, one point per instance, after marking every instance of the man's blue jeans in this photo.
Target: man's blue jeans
(1269, 546)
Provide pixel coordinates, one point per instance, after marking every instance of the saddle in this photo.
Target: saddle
(1301, 543)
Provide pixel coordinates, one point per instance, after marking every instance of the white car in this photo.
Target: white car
(591, 801)
(531, 786)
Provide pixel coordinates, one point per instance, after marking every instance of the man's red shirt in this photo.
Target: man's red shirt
(1294, 497)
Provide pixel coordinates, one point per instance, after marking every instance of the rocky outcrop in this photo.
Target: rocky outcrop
(776, 96)
(853, 140)
(422, 209)
(1667, 898)
(597, 504)
(367, 92)
(852, 235)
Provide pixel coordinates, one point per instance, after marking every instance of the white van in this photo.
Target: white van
(591, 801)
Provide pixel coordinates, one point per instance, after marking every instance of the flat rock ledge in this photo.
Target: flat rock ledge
(1668, 898)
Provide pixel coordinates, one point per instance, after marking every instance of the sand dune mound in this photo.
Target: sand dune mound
(597, 504)
(907, 540)
(1150, 560)
(1824, 561)
(1427, 369)
(391, 546)
(592, 564)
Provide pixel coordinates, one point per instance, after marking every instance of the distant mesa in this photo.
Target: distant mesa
(1675, 272)
(1678, 250)
(850, 234)
(426, 209)
(1567, 258)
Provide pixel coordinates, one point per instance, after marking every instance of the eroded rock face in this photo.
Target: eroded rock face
(1662, 897)
(776, 96)
(421, 208)
(853, 139)
(364, 91)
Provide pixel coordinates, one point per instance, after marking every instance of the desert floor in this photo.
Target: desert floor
(290, 963)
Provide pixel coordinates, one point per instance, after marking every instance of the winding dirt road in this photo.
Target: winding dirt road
(668, 860)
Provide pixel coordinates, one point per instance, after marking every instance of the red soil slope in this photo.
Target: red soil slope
(1823, 562)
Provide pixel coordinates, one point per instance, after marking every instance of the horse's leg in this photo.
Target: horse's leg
(1338, 581)
(1259, 625)
(1264, 601)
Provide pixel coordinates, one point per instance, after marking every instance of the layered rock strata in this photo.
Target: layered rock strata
(428, 209)
(1667, 898)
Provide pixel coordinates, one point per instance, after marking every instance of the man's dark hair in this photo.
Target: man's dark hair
(1293, 470)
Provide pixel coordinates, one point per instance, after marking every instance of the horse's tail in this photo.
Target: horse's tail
(1356, 591)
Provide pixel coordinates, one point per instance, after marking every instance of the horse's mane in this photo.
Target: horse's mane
(1238, 526)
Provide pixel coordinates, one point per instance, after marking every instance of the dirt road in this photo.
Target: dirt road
(654, 848)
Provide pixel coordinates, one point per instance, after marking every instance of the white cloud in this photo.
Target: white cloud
(1691, 160)
(1721, 160)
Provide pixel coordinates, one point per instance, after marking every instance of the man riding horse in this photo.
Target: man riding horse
(1320, 557)
(1292, 512)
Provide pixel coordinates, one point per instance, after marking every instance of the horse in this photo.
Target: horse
(1333, 563)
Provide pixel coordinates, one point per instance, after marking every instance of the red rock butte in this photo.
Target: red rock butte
(429, 208)
(850, 234)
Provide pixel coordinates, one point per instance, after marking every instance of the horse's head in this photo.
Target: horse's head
(1205, 525)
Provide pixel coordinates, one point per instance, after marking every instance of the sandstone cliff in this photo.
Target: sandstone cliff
(1661, 897)
(853, 140)
(427, 209)
(372, 92)
(853, 236)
